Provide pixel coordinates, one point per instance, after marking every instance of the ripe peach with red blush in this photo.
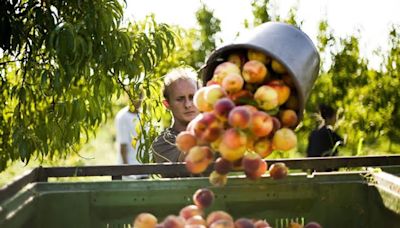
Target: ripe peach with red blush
(232, 83)
(185, 141)
(223, 107)
(261, 124)
(278, 170)
(190, 211)
(208, 128)
(288, 118)
(223, 69)
(198, 159)
(263, 147)
(203, 198)
(254, 71)
(218, 215)
(251, 162)
(173, 221)
(239, 117)
(234, 138)
(222, 166)
(282, 90)
(244, 223)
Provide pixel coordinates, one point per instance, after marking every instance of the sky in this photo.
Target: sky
(369, 19)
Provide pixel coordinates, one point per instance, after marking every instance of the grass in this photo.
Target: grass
(100, 150)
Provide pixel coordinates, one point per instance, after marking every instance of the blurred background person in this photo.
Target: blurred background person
(127, 137)
(324, 141)
(179, 88)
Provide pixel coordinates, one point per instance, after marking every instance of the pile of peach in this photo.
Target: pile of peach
(249, 109)
(193, 216)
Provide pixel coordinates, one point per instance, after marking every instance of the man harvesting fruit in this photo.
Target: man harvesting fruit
(180, 85)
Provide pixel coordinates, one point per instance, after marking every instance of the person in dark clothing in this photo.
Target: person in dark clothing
(180, 85)
(324, 141)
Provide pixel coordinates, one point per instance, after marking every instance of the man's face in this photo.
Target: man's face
(180, 100)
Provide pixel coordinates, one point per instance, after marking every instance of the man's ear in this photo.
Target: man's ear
(166, 104)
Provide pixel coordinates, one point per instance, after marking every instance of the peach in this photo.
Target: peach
(237, 59)
(203, 198)
(198, 159)
(244, 223)
(200, 102)
(266, 97)
(232, 83)
(173, 221)
(190, 211)
(231, 154)
(217, 179)
(224, 69)
(208, 128)
(239, 117)
(222, 223)
(222, 108)
(241, 97)
(222, 166)
(278, 170)
(258, 55)
(261, 124)
(263, 147)
(262, 168)
(251, 162)
(282, 90)
(196, 220)
(288, 118)
(145, 220)
(284, 139)
(251, 108)
(212, 82)
(278, 67)
(261, 224)
(254, 71)
(212, 93)
(234, 138)
(218, 215)
(185, 141)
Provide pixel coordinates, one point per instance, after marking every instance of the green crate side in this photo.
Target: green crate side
(334, 200)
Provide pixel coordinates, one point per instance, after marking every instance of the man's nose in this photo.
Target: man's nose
(188, 103)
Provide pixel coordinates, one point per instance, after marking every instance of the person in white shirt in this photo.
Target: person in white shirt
(126, 122)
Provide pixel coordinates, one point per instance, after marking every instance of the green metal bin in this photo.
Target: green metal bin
(338, 199)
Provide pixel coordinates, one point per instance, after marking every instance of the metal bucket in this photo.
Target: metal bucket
(282, 42)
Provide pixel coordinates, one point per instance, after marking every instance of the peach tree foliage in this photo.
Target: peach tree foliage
(61, 65)
(367, 99)
(191, 49)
